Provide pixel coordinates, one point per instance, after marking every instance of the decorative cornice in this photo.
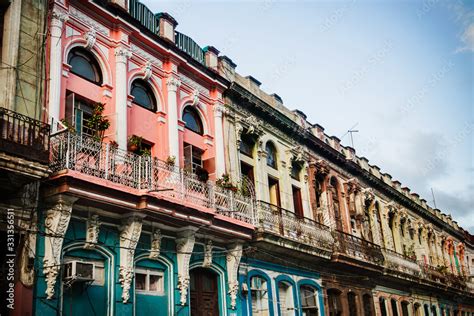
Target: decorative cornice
(90, 22)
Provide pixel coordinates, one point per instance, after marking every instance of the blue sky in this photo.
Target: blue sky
(401, 70)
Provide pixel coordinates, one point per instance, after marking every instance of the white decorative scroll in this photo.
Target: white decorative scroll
(129, 235)
(56, 224)
(233, 257)
(92, 231)
(147, 71)
(90, 37)
(195, 97)
(207, 255)
(79, 15)
(28, 251)
(184, 248)
(155, 244)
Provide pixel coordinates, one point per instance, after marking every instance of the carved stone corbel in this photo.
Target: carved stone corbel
(233, 257)
(130, 232)
(92, 231)
(90, 37)
(147, 71)
(155, 244)
(207, 255)
(56, 223)
(184, 248)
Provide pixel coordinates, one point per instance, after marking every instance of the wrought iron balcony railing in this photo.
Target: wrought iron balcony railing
(357, 248)
(401, 263)
(277, 220)
(442, 274)
(91, 157)
(23, 136)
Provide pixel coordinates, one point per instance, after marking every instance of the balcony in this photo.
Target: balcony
(400, 263)
(442, 275)
(357, 248)
(90, 157)
(281, 222)
(24, 137)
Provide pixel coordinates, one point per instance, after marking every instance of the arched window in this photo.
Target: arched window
(393, 304)
(379, 223)
(309, 300)
(143, 95)
(334, 188)
(334, 300)
(271, 155)
(259, 295)
(247, 144)
(367, 300)
(405, 308)
(352, 301)
(193, 120)
(383, 308)
(84, 65)
(286, 303)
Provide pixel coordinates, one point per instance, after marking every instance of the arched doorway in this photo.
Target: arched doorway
(204, 297)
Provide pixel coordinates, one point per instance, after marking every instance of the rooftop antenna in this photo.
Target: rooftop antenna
(434, 200)
(351, 131)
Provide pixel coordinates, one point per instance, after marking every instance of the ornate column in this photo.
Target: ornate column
(219, 138)
(173, 137)
(184, 248)
(233, 257)
(130, 232)
(57, 219)
(58, 18)
(121, 92)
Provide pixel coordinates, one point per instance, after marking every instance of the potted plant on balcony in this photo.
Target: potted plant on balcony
(170, 161)
(134, 142)
(202, 174)
(97, 122)
(226, 183)
(113, 145)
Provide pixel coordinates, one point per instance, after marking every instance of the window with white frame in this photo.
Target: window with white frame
(309, 299)
(149, 281)
(259, 293)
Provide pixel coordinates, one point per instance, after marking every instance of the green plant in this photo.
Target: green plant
(135, 141)
(171, 160)
(226, 183)
(97, 122)
(202, 174)
(145, 152)
(68, 125)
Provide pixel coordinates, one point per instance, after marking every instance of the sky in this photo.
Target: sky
(399, 72)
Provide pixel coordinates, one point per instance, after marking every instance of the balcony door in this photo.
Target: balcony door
(297, 202)
(274, 198)
(204, 293)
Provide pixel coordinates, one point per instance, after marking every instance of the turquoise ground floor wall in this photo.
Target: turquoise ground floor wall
(103, 296)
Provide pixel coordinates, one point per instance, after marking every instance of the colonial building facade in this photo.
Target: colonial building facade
(175, 186)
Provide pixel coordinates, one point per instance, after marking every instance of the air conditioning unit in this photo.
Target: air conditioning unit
(79, 271)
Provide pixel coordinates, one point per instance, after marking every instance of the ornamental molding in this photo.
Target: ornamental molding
(122, 54)
(28, 251)
(57, 219)
(195, 97)
(193, 84)
(352, 186)
(90, 38)
(207, 255)
(90, 22)
(298, 154)
(155, 249)
(147, 71)
(173, 83)
(233, 257)
(369, 196)
(92, 231)
(146, 56)
(184, 249)
(59, 17)
(130, 232)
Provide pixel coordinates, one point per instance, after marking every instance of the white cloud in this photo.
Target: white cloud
(467, 39)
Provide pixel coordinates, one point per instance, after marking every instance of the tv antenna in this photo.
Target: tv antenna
(434, 200)
(351, 131)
